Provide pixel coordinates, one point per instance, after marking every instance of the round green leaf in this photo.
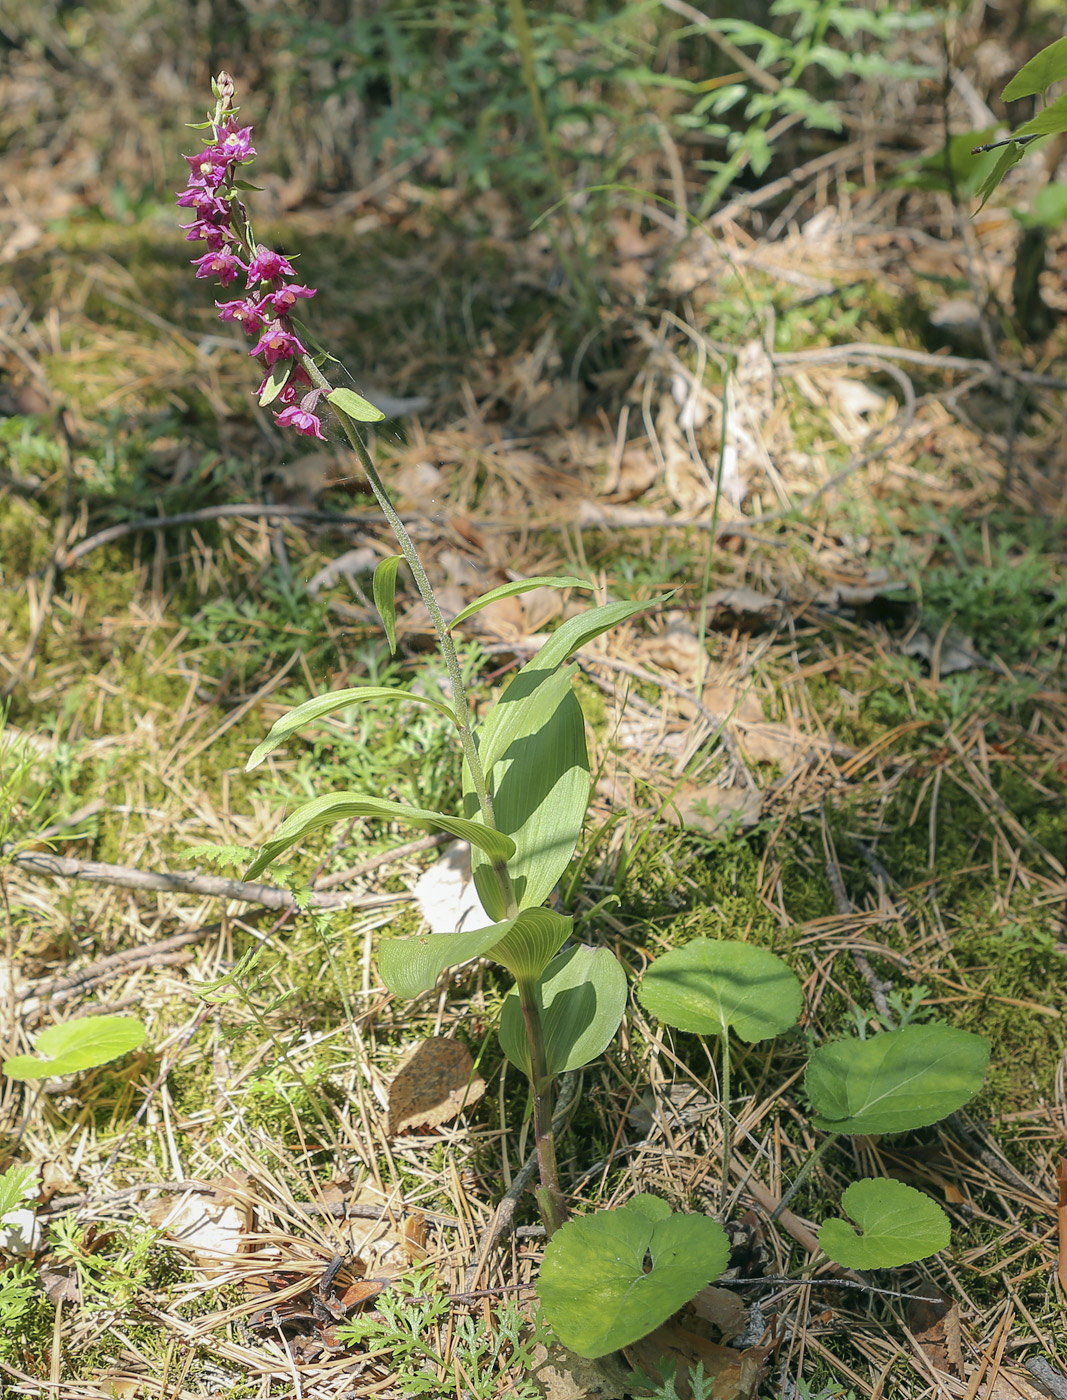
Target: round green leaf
(323, 705)
(899, 1225)
(593, 1286)
(711, 986)
(582, 995)
(76, 1045)
(896, 1080)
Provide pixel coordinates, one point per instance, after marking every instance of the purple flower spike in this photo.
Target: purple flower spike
(302, 421)
(225, 266)
(208, 168)
(267, 265)
(277, 344)
(246, 313)
(283, 300)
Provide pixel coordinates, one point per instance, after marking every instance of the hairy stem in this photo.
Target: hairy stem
(460, 704)
(550, 1197)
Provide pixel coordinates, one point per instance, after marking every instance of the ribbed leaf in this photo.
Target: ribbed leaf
(324, 705)
(509, 590)
(383, 586)
(342, 806)
(533, 744)
(582, 997)
(524, 945)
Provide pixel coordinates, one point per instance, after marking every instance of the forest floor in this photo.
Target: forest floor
(843, 737)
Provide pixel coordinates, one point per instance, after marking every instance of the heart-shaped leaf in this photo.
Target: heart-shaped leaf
(711, 986)
(323, 705)
(509, 590)
(582, 997)
(895, 1081)
(355, 406)
(383, 587)
(342, 806)
(899, 1224)
(76, 1045)
(524, 945)
(593, 1285)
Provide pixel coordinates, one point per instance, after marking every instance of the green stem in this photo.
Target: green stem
(550, 1197)
(460, 705)
(804, 1173)
(727, 1122)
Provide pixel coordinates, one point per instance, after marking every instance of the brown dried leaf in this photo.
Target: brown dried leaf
(211, 1228)
(434, 1086)
(936, 1327)
(723, 1309)
(737, 1374)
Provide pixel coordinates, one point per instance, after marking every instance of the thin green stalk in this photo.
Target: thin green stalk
(805, 1171)
(460, 705)
(550, 1197)
(727, 1122)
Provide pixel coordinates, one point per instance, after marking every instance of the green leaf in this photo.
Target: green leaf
(354, 406)
(895, 1081)
(709, 986)
(509, 590)
(16, 1184)
(579, 631)
(1010, 156)
(342, 806)
(383, 586)
(524, 945)
(1048, 122)
(324, 705)
(582, 997)
(593, 1286)
(76, 1045)
(1044, 69)
(276, 382)
(899, 1224)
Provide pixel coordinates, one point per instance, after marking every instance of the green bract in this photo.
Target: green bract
(895, 1081)
(711, 987)
(77, 1045)
(899, 1225)
(524, 945)
(355, 406)
(383, 586)
(323, 705)
(595, 1291)
(342, 806)
(582, 996)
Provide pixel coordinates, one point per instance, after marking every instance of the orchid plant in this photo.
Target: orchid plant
(609, 1278)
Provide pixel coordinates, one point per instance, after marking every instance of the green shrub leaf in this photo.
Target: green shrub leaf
(582, 996)
(1010, 156)
(895, 1081)
(324, 705)
(899, 1224)
(712, 986)
(342, 806)
(76, 1045)
(593, 1286)
(524, 945)
(355, 406)
(1044, 69)
(509, 590)
(1048, 122)
(383, 586)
